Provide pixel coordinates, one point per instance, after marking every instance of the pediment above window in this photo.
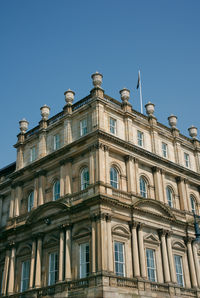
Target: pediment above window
(151, 238)
(45, 211)
(155, 208)
(120, 230)
(178, 245)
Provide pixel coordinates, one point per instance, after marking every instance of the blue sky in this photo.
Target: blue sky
(49, 46)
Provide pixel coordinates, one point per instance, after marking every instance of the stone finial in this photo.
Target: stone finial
(125, 94)
(150, 107)
(69, 96)
(172, 120)
(97, 79)
(45, 111)
(23, 125)
(193, 132)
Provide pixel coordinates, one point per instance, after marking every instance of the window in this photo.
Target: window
(169, 196)
(119, 258)
(32, 154)
(151, 268)
(53, 268)
(56, 142)
(164, 150)
(84, 260)
(56, 190)
(187, 160)
(114, 177)
(113, 126)
(30, 201)
(140, 138)
(193, 205)
(83, 127)
(25, 275)
(84, 178)
(143, 187)
(179, 270)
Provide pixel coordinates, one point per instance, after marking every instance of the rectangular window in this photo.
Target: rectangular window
(179, 270)
(140, 138)
(187, 160)
(32, 154)
(56, 142)
(25, 275)
(83, 127)
(151, 267)
(84, 260)
(119, 258)
(113, 126)
(53, 268)
(164, 150)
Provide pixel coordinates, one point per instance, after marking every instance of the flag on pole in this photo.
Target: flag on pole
(138, 83)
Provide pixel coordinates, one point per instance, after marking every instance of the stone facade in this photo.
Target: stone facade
(100, 203)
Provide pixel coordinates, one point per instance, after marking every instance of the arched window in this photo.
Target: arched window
(169, 196)
(193, 204)
(30, 201)
(114, 178)
(56, 190)
(85, 178)
(143, 187)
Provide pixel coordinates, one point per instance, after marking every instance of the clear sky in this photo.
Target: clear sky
(48, 46)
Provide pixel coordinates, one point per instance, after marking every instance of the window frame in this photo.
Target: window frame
(30, 201)
(169, 200)
(114, 172)
(56, 194)
(151, 269)
(55, 271)
(84, 182)
(193, 203)
(140, 138)
(33, 154)
(113, 126)
(118, 262)
(27, 278)
(177, 273)
(56, 143)
(83, 127)
(142, 178)
(83, 273)
(187, 160)
(164, 150)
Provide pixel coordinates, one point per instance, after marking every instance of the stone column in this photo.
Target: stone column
(181, 192)
(171, 259)
(18, 197)
(5, 273)
(32, 267)
(191, 263)
(157, 183)
(68, 177)
(38, 262)
(101, 243)
(12, 200)
(107, 164)
(61, 255)
(68, 273)
(137, 183)
(109, 244)
(41, 190)
(20, 160)
(42, 144)
(196, 261)
(93, 220)
(164, 256)
(130, 173)
(62, 178)
(141, 251)
(100, 166)
(135, 254)
(91, 167)
(67, 130)
(11, 281)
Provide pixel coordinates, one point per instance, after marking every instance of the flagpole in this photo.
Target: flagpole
(141, 105)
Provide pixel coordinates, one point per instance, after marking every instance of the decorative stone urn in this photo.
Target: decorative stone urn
(23, 125)
(125, 94)
(45, 111)
(193, 132)
(97, 79)
(172, 121)
(69, 96)
(150, 107)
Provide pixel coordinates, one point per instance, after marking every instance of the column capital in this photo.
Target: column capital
(188, 240)
(179, 179)
(40, 172)
(101, 216)
(141, 225)
(38, 235)
(67, 226)
(62, 162)
(129, 158)
(93, 217)
(162, 232)
(16, 184)
(169, 234)
(133, 224)
(109, 217)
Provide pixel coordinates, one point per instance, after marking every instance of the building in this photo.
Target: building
(100, 203)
